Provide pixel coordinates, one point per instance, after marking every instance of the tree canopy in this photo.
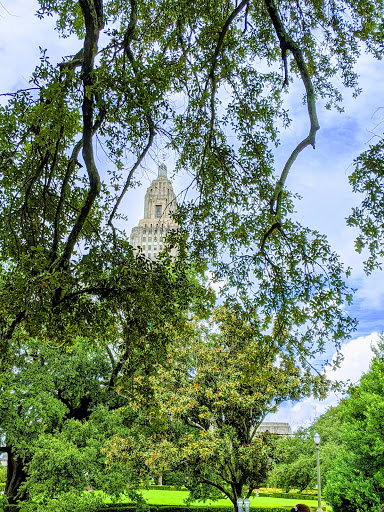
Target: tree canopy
(184, 76)
(297, 470)
(58, 408)
(206, 404)
(355, 476)
(351, 449)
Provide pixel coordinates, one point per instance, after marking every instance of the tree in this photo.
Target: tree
(58, 406)
(207, 404)
(125, 89)
(48, 388)
(298, 469)
(367, 180)
(355, 479)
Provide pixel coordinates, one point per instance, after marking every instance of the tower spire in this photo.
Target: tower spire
(162, 171)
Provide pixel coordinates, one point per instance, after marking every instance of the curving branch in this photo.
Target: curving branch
(151, 136)
(68, 173)
(76, 61)
(93, 17)
(128, 37)
(218, 486)
(7, 333)
(287, 43)
(222, 35)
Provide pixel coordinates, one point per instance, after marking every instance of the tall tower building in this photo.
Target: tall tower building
(159, 204)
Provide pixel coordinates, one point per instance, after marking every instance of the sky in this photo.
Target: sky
(320, 176)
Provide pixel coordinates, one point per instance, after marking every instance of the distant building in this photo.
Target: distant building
(159, 204)
(275, 428)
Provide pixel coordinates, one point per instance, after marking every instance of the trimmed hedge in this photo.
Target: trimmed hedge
(12, 508)
(165, 487)
(160, 508)
(288, 495)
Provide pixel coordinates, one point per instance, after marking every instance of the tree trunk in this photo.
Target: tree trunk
(237, 488)
(160, 480)
(15, 477)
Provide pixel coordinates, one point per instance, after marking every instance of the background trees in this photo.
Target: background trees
(298, 467)
(58, 407)
(355, 477)
(351, 447)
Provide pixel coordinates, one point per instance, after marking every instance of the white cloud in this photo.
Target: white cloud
(357, 357)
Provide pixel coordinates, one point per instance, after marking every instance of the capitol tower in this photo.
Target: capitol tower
(159, 205)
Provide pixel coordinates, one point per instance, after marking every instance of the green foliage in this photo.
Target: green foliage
(57, 409)
(206, 406)
(66, 502)
(367, 180)
(123, 508)
(67, 273)
(355, 479)
(298, 469)
(289, 495)
(158, 78)
(3, 474)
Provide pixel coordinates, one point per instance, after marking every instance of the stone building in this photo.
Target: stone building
(275, 427)
(159, 204)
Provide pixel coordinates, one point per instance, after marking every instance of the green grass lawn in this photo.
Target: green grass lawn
(177, 498)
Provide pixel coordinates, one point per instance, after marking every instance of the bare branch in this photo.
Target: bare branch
(151, 136)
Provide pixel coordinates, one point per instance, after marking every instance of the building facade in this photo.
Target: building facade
(159, 205)
(275, 427)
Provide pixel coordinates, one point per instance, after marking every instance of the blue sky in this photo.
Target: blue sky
(320, 176)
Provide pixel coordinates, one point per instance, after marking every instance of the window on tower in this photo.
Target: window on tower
(158, 211)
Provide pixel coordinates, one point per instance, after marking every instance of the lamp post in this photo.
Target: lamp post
(316, 438)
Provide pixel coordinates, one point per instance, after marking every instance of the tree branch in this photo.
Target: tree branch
(92, 12)
(287, 43)
(151, 136)
(128, 36)
(218, 486)
(222, 35)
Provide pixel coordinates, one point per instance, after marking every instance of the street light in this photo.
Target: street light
(316, 438)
